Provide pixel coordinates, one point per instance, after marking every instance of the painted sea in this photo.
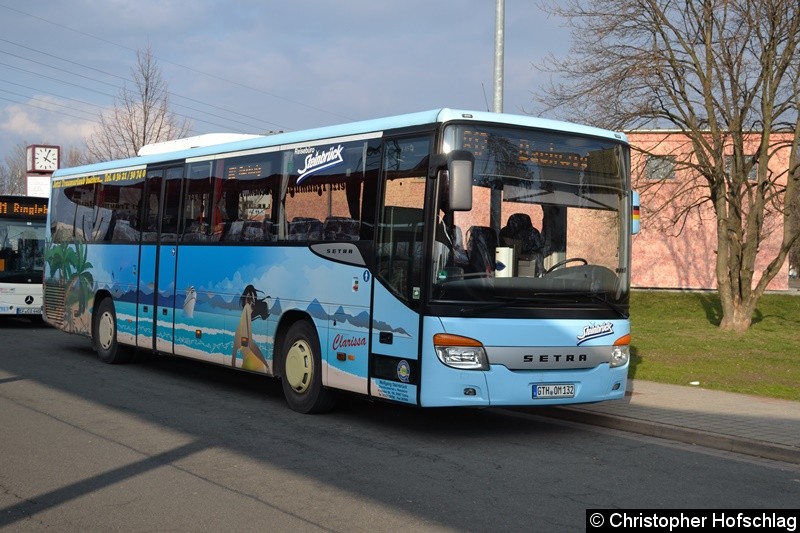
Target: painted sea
(206, 336)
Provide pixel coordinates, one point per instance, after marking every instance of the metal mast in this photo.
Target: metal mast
(499, 23)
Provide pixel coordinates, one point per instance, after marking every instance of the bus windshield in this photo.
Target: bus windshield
(549, 220)
(21, 251)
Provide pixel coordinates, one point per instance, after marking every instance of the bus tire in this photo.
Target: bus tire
(302, 370)
(104, 334)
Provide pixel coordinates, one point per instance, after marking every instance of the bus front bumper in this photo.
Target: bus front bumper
(500, 386)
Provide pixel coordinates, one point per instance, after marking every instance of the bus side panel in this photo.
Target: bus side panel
(146, 297)
(165, 298)
(116, 270)
(225, 310)
(395, 346)
(345, 355)
(85, 269)
(230, 299)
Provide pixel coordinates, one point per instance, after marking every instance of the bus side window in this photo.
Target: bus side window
(330, 203)
(243, 204)
(170, 216)
(198, 195)
(123, 201)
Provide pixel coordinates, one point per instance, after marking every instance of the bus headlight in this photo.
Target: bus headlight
(620, 353)
(460, 352)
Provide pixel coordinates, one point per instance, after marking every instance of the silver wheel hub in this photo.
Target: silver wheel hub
(105, 331)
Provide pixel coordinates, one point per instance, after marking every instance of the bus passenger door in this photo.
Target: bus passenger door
(394, 372)
(395, 336)
(157, 260)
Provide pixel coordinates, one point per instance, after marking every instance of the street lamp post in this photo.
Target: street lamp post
(499, 23)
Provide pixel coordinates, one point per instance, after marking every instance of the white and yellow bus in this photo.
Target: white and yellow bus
(22, 233)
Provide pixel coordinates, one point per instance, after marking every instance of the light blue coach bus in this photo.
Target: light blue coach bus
(441, 258)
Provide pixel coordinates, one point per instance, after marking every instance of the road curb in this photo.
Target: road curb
(707, 439)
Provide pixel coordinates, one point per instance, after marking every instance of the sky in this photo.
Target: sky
(253, 66)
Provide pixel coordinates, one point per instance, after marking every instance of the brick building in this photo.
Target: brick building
(683, 255)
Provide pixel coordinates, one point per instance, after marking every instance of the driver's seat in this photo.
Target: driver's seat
(481, 248)
(520, 234)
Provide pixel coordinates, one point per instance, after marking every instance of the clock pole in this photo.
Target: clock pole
(42, 160)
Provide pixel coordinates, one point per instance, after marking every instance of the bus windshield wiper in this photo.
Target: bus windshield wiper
(506, 301)
(597, 297)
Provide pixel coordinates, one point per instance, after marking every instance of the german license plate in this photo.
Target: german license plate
(554, 390)
(29, 310)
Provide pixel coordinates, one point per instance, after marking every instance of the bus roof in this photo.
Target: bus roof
(340, 130)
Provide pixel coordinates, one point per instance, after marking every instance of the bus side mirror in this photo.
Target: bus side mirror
(460, 165)
(635, 220)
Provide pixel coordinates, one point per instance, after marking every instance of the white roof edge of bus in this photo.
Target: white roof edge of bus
(447, 115)
(196, 141)
(342, 130)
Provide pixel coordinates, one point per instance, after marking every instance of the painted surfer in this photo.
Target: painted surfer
(252, 307)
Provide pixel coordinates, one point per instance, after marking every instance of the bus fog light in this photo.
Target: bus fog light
(619, 356)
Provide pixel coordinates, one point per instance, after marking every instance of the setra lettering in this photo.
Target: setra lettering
(555, 358)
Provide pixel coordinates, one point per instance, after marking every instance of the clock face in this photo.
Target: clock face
(45, 158)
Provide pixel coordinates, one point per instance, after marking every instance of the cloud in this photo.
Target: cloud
(17, 120)
(270, 65)
(44, 119)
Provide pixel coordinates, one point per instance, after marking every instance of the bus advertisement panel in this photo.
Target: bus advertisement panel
(443, 258)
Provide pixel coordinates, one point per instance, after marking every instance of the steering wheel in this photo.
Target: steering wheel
(567, 261)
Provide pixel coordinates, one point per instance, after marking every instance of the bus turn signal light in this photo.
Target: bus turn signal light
(621, 353)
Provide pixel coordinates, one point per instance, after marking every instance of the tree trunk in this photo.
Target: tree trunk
(737, 315)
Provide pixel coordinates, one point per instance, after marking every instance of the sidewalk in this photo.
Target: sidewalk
(753, 425)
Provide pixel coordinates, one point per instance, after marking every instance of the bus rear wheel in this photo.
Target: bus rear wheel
(302, 370)
(104, 334)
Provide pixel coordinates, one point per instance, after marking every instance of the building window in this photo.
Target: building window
(751, 176)
(660, 167)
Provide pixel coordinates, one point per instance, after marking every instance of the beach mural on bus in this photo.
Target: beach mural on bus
(226, 307)
(68, 266)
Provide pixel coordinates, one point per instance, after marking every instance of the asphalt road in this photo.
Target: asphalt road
(167, 444)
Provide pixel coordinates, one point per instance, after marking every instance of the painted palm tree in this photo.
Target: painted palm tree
(81, 282)
(60, 259)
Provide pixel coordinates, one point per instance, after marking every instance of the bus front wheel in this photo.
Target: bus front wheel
(302, 370)
(104, 333)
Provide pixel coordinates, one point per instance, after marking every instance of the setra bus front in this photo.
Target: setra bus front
(528, 272)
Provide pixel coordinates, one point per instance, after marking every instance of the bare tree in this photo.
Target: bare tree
(13, 174)
(719, 71)
(140, 115)
(73, 156)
